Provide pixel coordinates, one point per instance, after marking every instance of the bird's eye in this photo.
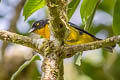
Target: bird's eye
(37, 24)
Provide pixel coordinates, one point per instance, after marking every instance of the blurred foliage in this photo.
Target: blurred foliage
(116, 18)
(23, 66)
(95, 30)
(107, 69)
(107, 6)
(115, 68)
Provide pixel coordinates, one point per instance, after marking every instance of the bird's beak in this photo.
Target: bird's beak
(31, 30)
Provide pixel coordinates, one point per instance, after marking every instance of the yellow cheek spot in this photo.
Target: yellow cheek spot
(37, 24)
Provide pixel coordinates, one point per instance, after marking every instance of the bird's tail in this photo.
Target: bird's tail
(108, 48)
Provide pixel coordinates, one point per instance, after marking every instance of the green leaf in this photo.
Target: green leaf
(107, 6)
(78, 58)
(116, 18)
(31, 6)
(72, 7)
(34, 58)
(87, 11)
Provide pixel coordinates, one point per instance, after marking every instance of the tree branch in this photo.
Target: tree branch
(51, 67)
(36, 44)
(71, 50)
(66, 50)
(58, 27)
(58, 19)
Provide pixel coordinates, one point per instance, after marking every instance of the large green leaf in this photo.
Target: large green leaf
(31, 6)
(87, 10)
(116, 18)
(72, 7)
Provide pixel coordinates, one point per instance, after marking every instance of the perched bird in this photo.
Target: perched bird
(76, 35)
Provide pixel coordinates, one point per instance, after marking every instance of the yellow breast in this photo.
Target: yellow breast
(44, 32)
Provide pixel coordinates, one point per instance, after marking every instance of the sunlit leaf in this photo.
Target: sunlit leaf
(31, 6)
(34, 58)
(72, 7)
(78, 58)
(116, 18)
(87, 10)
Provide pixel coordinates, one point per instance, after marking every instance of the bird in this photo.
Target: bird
(76, 35)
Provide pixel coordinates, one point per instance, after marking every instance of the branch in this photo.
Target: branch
(36, 44)
(58, 19)
(71, 50)
(53, 70)
(39, 45)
